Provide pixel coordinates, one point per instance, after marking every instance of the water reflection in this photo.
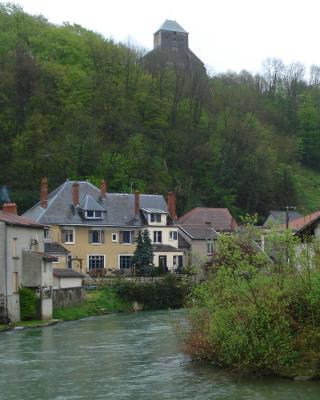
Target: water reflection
(125, 356)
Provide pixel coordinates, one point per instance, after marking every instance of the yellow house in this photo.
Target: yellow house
(98, 229)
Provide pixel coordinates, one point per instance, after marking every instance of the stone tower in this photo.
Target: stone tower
(171, 48)
(171, 36)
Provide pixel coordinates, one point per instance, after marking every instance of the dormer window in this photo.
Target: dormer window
(155, 217)
(90, 214)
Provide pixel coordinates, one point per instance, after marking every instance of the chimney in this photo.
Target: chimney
(136, 202)
(75, 194)
(10, 208)
(172, 205)
(44, 193)
(103, 189)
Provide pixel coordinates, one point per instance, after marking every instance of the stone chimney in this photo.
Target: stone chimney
(171, 200)
(10, 208)
(136, 202)
(44, 192)
(75, 194)
(103, 189)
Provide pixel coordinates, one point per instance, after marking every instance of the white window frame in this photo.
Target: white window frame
(210, 244)
(96, 255)
(123, 255)
(73, 235)
(116, 239)
(94, 216)
(171, 235)
(100, 236)
(154, 216)
(155, 236)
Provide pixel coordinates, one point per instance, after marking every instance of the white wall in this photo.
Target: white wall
(165, 234)
(63, 283)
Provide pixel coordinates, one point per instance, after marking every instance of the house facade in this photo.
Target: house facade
(98, 229)
(200, 228)
(22, 263)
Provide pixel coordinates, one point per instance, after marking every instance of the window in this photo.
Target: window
(90, 214)
(173, 235)
(96, 262)
(209, 248)
(114, 238)
(68, 236)
(46, 233)
(125, 262)
(157, 237)
(96, 236)
(155, 217)
(126, 237)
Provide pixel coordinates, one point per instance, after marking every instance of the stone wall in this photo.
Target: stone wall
(111, 280)
(68, 297)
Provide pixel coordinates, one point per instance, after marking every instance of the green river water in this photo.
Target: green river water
(122, 356)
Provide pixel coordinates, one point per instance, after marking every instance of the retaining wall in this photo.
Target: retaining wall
(68, 297)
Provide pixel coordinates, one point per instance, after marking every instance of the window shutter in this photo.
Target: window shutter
(120, 237)
(102, 237)
(132, 236)
(90, 236)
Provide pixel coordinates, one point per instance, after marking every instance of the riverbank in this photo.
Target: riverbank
(97, 302)
(125, 296)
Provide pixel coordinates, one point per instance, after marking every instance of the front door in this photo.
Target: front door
(163, 262)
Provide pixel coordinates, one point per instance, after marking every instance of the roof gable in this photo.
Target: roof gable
(219, 218)
(14, 219)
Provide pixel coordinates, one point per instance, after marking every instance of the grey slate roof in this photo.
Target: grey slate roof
(199, 231)
(165, 248)
(55, 248)
(119, 207)
(66, 273)
(89, 203)
(170, 25)
(279, 218)
(219, 218)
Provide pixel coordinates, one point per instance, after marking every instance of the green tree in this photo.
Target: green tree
(143, 255)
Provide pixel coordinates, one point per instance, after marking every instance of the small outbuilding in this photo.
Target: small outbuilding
(66, 278)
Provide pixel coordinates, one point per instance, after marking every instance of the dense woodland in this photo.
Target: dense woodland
(76, 105)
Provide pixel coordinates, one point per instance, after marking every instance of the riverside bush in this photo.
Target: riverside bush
(167, 293)
(28, 304)
(257, 315)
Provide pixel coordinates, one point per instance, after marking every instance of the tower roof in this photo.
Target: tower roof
(170, 25)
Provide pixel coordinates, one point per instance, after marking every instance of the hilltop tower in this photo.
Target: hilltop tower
(171, 36)
(171, 48)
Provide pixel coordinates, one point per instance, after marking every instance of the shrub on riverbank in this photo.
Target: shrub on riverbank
(97, 302)
(256, 315)
(28, 304)
(170, 292)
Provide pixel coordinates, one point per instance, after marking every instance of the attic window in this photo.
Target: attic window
(90, 214)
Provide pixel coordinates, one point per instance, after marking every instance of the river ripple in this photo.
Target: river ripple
(123, 356)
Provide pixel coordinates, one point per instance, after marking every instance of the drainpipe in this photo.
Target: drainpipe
(6, 271)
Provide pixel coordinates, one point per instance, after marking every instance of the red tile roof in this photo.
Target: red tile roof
(14, 219)
(220, 218)
(299, 223)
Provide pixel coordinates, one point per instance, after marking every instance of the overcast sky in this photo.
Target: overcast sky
(225, 34)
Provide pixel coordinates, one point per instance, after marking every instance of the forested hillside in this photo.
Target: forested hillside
(76, 105)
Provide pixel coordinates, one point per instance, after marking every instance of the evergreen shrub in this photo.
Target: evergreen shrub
(28, 304)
